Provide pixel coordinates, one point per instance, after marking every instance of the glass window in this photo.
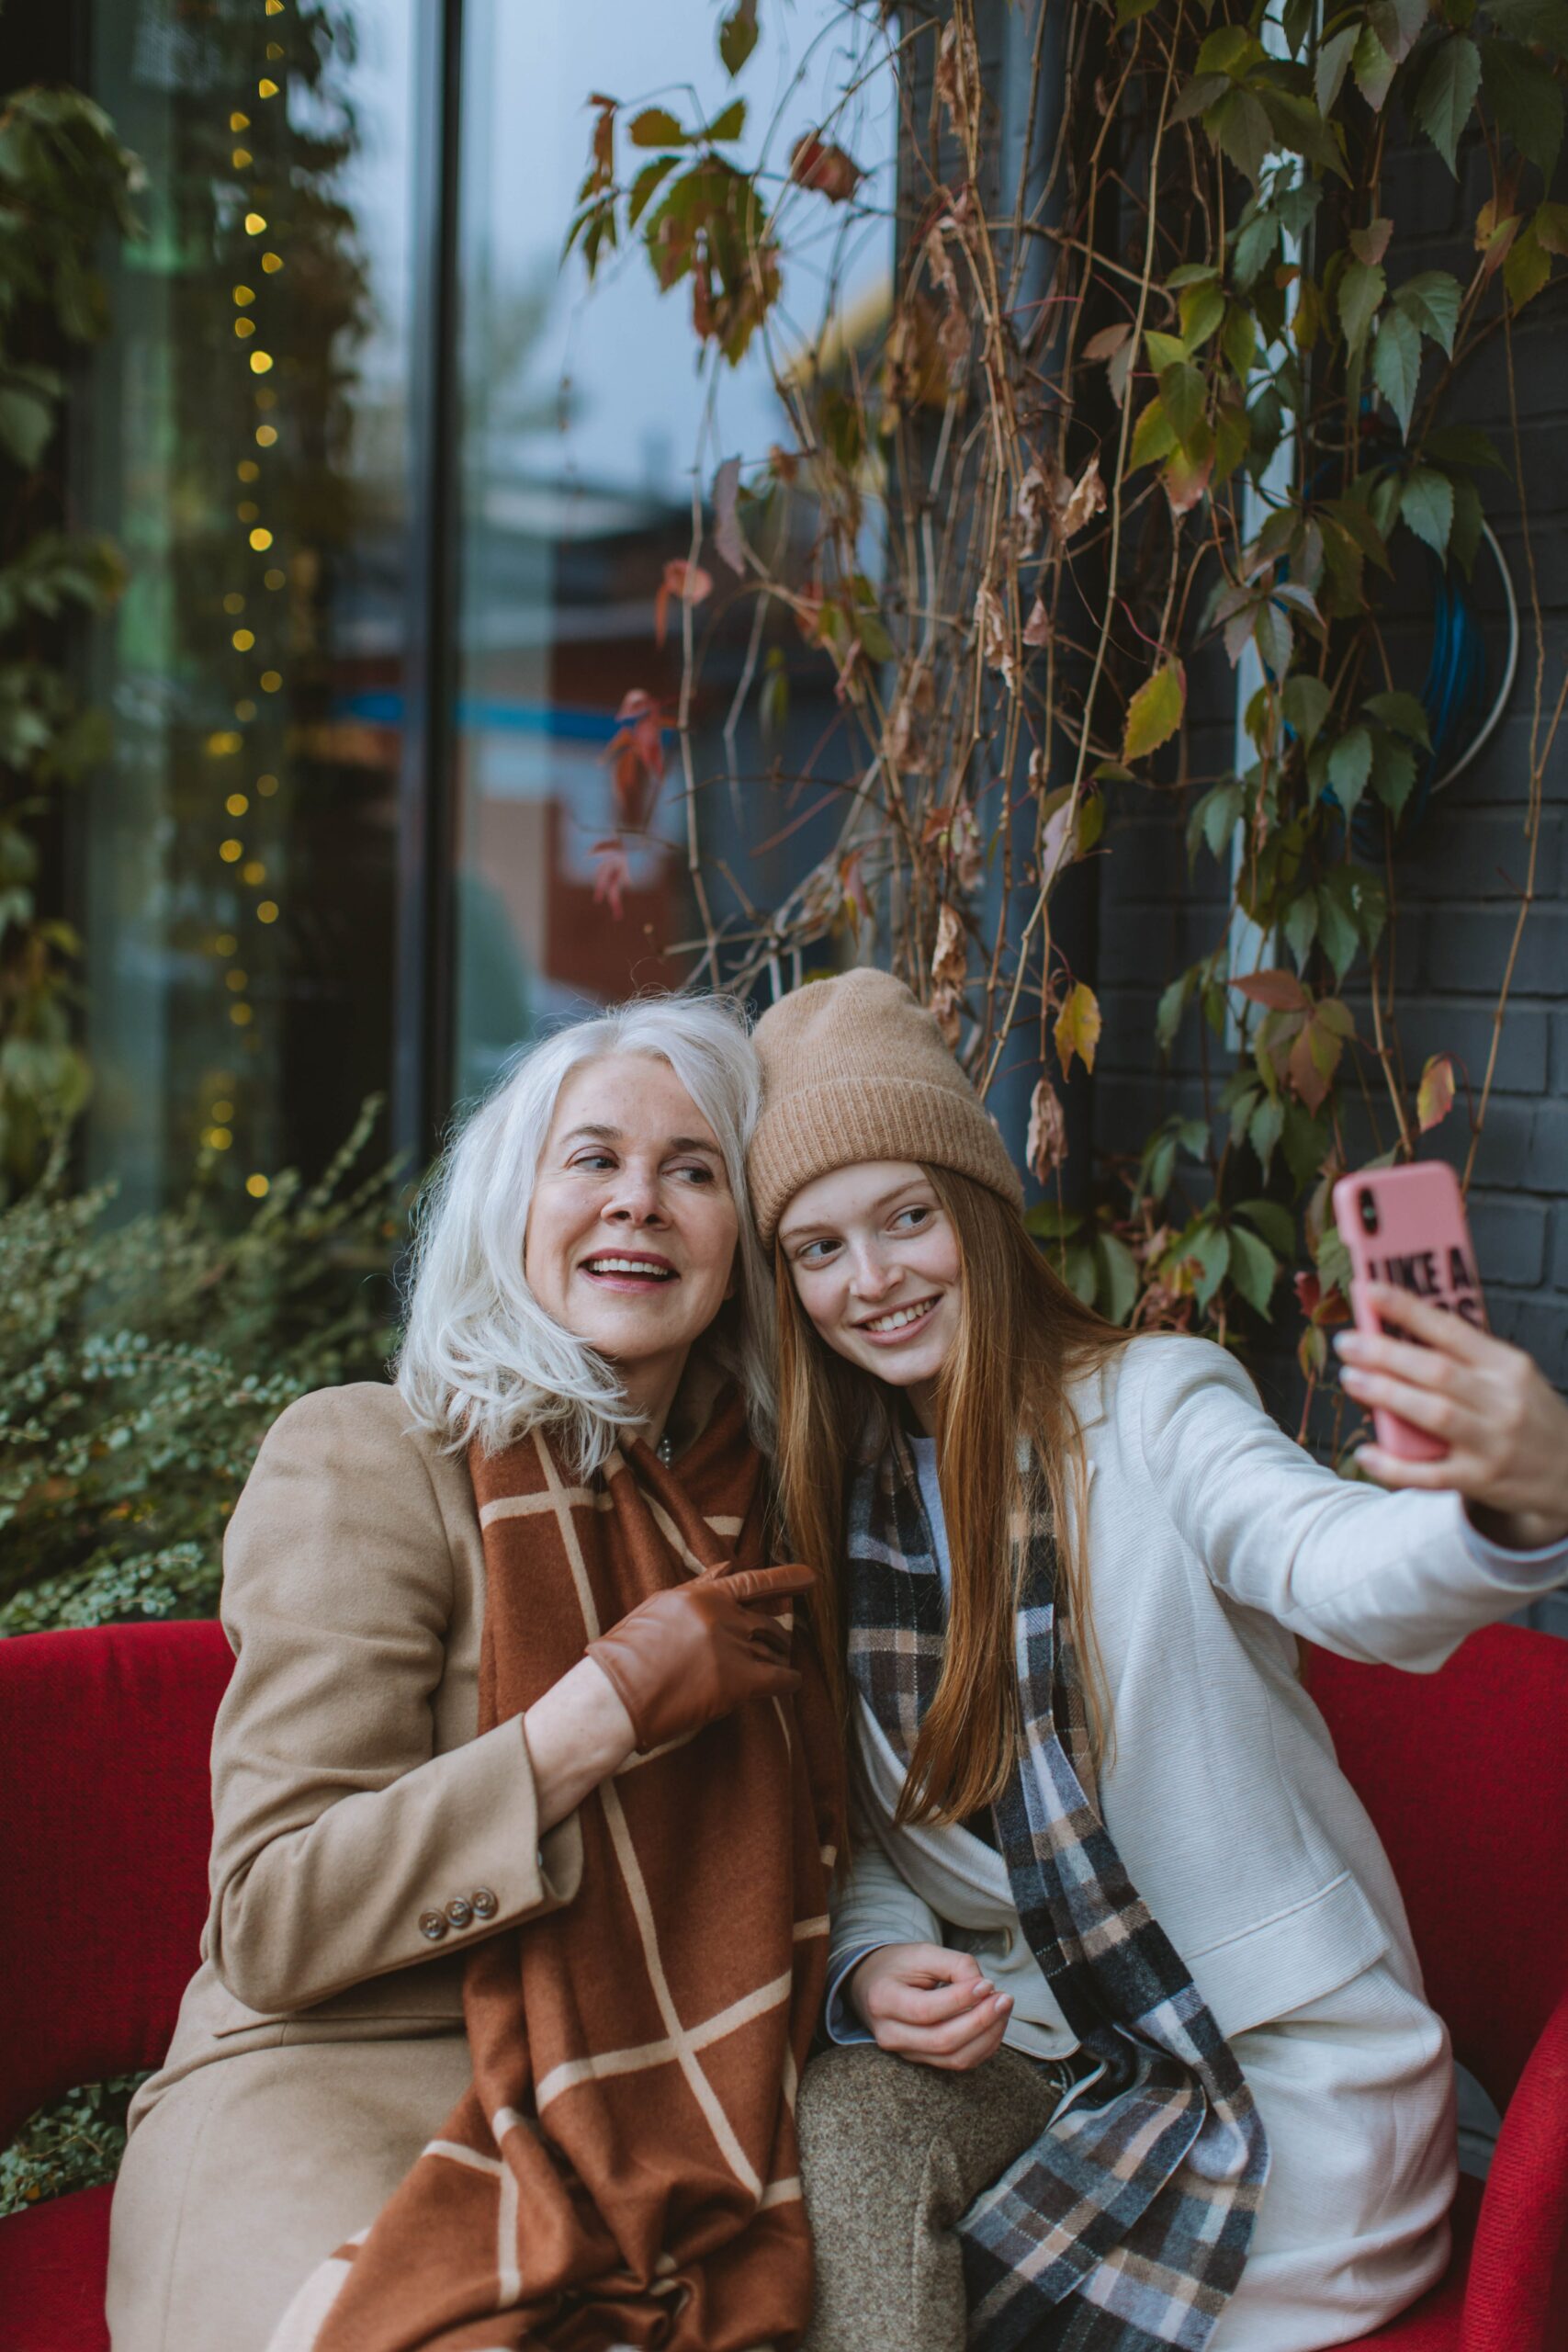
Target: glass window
(246, 444)
(588, 426)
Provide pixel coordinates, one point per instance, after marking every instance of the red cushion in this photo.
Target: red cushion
(104, 1737)
(1465, 1775)
(52, 2260)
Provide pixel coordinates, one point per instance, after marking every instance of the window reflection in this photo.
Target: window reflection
(248, 450)
(588, 424)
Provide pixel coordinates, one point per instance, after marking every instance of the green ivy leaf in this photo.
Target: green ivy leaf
(738, 35)
(1239, 128)
(26, 420)
(1154, 714)
(1393, 771)
(1373, 69)
(1443, 103)
(1256, 241)
(1240, 341)
(1253, 1267)
(1264, 1129)
(1427, 505)
(1527, 102)
(1349, 765)
(1307, 701)
(1338, 933)
(1154, 436)
(645, 187)
(1361, 287)
(1116, 1291)
(1273, 1221)
(1430, 301)
(1301, 129)
(729, 124)
(1465, 537)
(1174, 1001)
(1333, 64)
(1527, 269)
(1397, 365)
(1403, 713)
(1463, 444)
(657, 127)
(1301, 928)
(1545, 21)
(1272, 635)
(1182, 391)
(1202, 310)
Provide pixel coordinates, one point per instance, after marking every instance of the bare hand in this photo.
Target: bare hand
(1505, 1427)
(923, 2002)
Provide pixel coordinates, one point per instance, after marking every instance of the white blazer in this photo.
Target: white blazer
(1213, 1541)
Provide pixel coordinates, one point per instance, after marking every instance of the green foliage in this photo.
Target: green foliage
(65, 179)
(76, 2142)
(140, 1364)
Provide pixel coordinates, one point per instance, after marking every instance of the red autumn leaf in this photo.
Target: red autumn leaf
(816, 163)
(613, 878)
(635, 755)
(1279, 991)
(687, 581)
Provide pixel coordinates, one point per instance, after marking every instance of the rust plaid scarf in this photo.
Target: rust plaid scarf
(623, 2170)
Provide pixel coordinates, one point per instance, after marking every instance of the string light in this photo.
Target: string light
(218, 1133)
(258, 1187)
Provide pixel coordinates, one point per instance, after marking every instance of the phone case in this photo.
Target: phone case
(1414, 1233)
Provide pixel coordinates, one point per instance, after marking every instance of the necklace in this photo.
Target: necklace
(665, 1449)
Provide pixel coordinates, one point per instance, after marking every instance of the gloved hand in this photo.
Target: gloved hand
(686, 1657)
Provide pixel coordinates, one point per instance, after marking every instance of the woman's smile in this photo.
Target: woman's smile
(900, 1322)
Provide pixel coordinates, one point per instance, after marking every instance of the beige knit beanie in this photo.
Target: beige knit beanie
(855, 1068)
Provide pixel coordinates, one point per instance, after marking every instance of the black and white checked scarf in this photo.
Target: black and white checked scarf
(1127, 2223)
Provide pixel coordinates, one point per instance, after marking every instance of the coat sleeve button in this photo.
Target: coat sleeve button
(432, 1926)
(485, 1902)
(460, 1911)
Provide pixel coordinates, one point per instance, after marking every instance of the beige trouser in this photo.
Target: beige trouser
(891, 2154)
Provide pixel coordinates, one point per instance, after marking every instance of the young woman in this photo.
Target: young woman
(1104, 1853)
(517, 1933)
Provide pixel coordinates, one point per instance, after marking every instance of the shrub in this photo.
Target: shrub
(142, 1361)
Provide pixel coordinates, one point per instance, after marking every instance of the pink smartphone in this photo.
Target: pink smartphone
(1408, 1226)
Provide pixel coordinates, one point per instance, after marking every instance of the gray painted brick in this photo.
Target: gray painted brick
(1467, 949)
(1510, 1238)
(1547, 1169)
(1431, 1024)
(1536, 1323)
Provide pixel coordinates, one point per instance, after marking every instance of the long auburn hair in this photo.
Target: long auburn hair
(1023, 1338)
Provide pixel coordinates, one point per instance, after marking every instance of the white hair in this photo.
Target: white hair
(479, 1357)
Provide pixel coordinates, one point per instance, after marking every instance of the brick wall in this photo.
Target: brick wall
(1458, 876)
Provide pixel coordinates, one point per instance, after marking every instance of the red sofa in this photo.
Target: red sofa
(103, 1752)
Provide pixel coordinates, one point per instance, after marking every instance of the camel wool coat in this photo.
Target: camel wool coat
(364, 1838)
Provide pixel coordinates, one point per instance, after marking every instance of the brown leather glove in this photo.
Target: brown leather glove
(686, 1657)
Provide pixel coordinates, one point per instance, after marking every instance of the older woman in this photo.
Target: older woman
(518, 1872)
